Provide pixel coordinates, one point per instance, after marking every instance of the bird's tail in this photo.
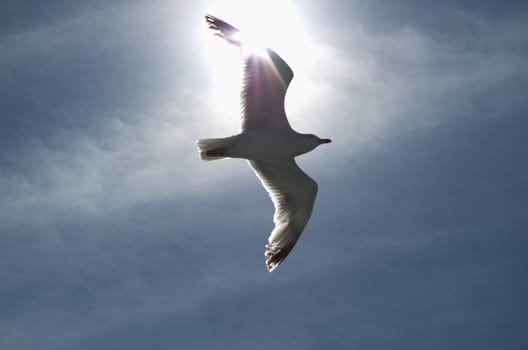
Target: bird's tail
(212, 149)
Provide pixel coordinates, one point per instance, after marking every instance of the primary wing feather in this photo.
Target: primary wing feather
(223, 29)
(293, 194)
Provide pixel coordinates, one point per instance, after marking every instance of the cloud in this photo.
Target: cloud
(114, 233)
(370, 83)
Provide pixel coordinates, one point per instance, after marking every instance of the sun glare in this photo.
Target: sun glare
(272, 23)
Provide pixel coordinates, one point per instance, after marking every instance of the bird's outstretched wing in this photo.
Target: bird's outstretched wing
(265, 81)
(293, 194)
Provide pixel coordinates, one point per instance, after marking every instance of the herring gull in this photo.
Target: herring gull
(269, 143)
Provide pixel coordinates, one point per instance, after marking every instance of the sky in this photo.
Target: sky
(115, 235)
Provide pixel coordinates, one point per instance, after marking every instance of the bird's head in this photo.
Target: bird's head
(313, 141)
(317, 140)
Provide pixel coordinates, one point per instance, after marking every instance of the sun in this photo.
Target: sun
(274, 24)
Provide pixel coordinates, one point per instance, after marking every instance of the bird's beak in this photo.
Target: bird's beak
(321, 141)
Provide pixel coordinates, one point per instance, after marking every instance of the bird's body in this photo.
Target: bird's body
(269, 143)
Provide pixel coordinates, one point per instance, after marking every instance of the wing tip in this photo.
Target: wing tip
(210, 19)
(271, 266)
(223, 29)
(275, 256)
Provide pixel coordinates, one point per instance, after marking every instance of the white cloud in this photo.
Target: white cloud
(370, 85)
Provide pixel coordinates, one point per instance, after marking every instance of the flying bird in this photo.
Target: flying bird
(269, 143)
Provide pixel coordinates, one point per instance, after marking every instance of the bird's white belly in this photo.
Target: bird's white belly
(264, 146)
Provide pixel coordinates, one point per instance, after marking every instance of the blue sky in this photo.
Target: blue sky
(114, 235)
